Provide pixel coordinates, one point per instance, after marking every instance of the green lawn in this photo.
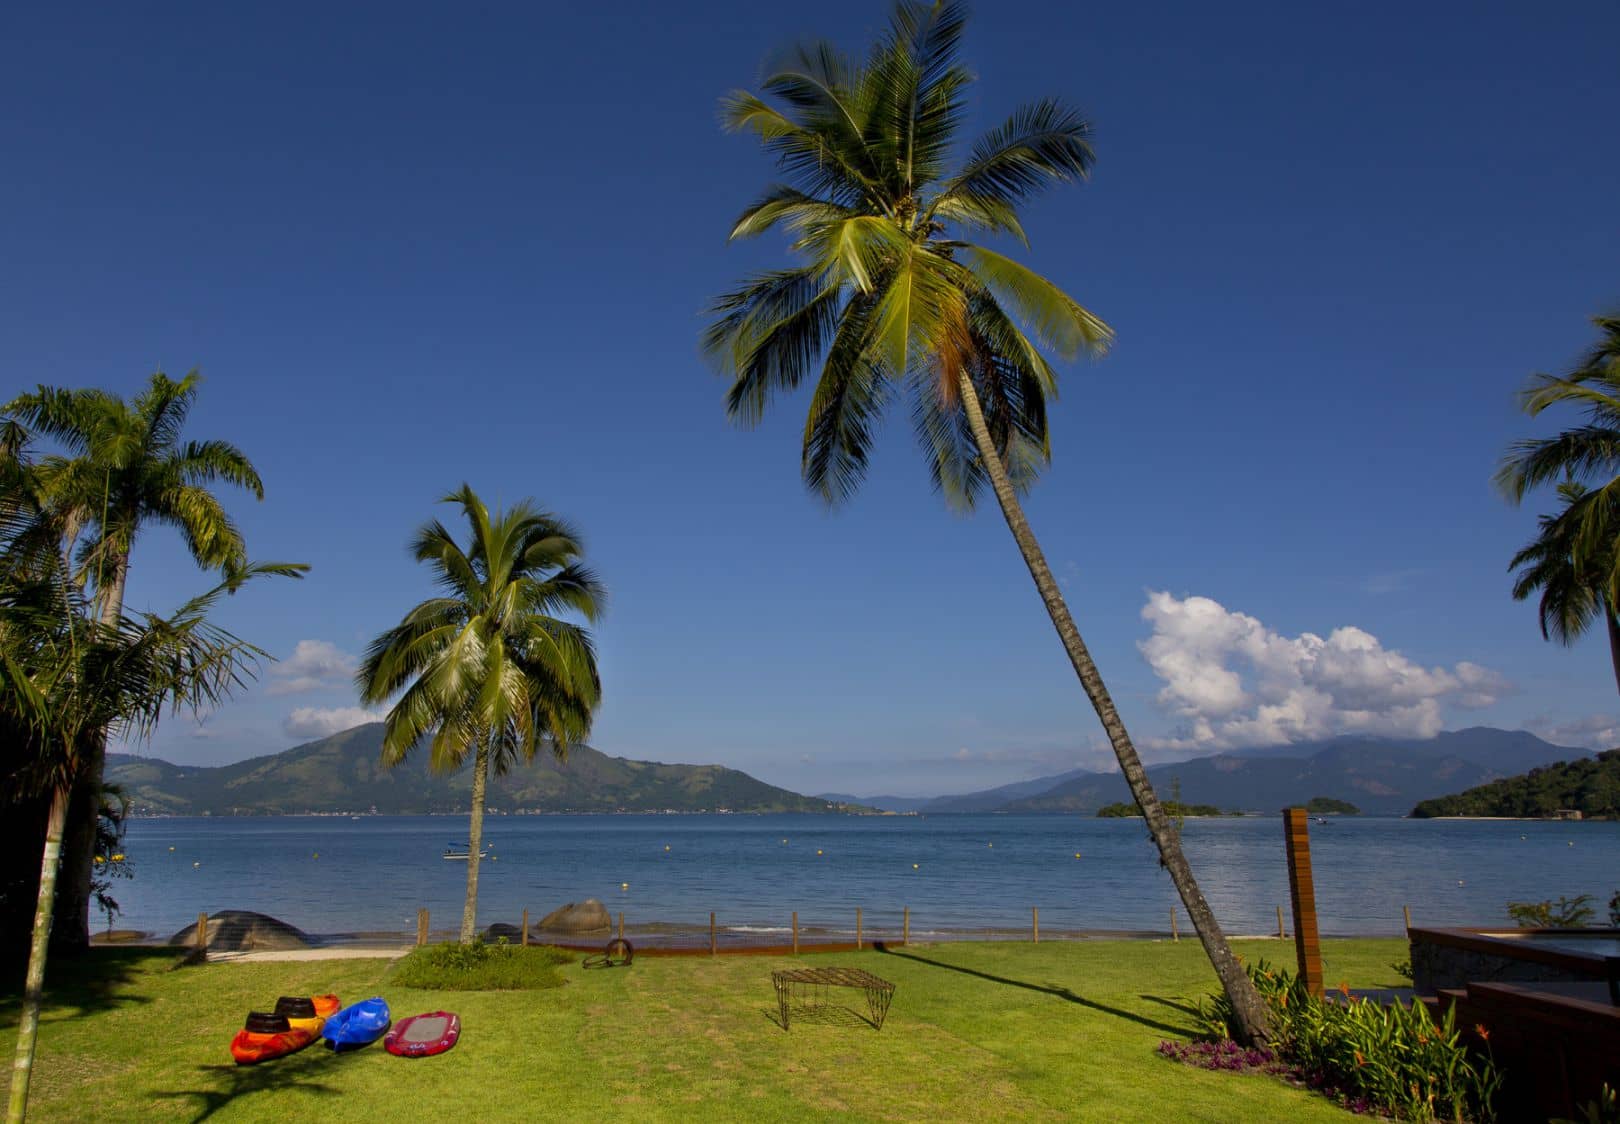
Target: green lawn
(1058, 1031)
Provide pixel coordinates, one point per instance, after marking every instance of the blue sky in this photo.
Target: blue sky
(412, 246)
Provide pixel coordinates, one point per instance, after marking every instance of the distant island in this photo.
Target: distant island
(1328, 806)
(1590, 786)
(343, 775)
(1172, 808)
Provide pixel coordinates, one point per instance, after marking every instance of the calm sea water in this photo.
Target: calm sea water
(958, 874)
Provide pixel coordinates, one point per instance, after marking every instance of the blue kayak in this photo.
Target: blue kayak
(357, 1025)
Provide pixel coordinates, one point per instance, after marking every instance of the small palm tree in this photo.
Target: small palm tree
(485, 668)
(125, 468)
(889, 299)
(1588, 455)
(1574, 587)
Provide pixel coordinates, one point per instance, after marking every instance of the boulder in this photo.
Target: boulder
(589, 916)
(238, 930)
(500, 929)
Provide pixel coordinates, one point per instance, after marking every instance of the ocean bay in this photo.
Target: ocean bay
(958, 874)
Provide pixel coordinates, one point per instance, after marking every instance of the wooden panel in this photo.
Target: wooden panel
(1302, 892)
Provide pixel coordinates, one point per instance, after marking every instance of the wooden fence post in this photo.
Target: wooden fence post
(795, 932)
(523, 939)
(202, 936)
(1175, 934)
(857, 928)
(421, 927)
(1406, 911)
(905, 930)
(1302, 890)
(621, 924)
(1036, 910)
(1281, 932)
(714, 949)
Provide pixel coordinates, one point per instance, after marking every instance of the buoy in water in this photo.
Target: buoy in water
(171, 848)
(1077, 854)
(194, 866)
(316, 855)
(913, 866)
(666, 846)
(818, 852)
(624, 885)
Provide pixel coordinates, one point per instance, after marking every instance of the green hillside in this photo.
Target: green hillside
(1591, 785)
(343, 773)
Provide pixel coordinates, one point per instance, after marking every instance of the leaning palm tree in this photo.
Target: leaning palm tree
(65, 675)
(1574, 587)
(124, 468)
(888, 298)
(1587, 454)
(485, 668)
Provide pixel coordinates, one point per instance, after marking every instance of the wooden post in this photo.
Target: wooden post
(421, 927)
(202, 936)
(621, 924)
(523, 938)
(1406, 911)
(905, 927)
(857, 928)
(795, 932)
(1281, 932)
(1037, 912)
(1175, 934)
(1302, 891)
(714, 949)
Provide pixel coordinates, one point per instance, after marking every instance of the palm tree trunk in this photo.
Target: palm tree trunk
(33, 989)
(475, 837)
(1246, 1003)
(72, 923)
(1614, 640)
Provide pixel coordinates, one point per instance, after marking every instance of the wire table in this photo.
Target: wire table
(806, 990)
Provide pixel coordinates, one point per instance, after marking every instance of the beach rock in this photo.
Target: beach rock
(501, 929)
(589, 916)
(238, 930)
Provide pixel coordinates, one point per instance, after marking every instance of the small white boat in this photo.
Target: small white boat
(463, 852)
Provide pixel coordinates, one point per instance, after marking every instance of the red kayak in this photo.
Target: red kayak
(268, 1036)
(422, 1036)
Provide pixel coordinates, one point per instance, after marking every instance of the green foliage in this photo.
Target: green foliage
(1614, 910)
(1395, 1057)
(1591, 785)
(1603, 1109)
(1565, 913)
(1172, 808)
(481, 967)
(1403, 969)
(1328, 806)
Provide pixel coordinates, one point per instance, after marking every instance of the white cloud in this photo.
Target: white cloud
(1234, 682)
(323, 721)
(315, 665)
(1595, 731)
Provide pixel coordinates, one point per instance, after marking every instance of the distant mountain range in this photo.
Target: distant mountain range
(1380, 776)
(343, 773)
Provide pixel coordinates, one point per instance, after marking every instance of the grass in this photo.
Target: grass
(1057, 1031)
(481, 967)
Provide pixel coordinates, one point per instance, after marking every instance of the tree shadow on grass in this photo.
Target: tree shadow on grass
(98, 980)
(1185, 1006)
(1062, 993)
(229, 1083)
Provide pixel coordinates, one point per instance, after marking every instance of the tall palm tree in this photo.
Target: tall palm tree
(65, 674)
(124, 468)
(1574, 587)
(889, 299)
(1587, 454)
(485, 668)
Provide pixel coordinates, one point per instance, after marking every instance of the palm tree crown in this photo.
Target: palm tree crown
(887, 295)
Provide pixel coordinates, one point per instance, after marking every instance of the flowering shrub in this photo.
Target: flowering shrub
(1394, 1058)
(1223, 1054)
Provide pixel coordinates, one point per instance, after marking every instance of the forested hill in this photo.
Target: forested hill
(1591, 785)
(343, 773)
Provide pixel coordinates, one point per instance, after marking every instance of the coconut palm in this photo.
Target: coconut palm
(124, 468)
(888, 299)
(1574, 587)
(66, 674)
(484, 668)
(1587, 454)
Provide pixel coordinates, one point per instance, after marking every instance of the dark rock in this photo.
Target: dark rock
(501, 929)
(589, 916)
(238, 930)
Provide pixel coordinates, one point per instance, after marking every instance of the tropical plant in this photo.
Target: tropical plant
(64, 675)
(1574, 560)
(887, 299)
(1565, 913)
(485, 668)
(124, 467)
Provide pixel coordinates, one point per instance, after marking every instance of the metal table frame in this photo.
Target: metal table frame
(810, 987)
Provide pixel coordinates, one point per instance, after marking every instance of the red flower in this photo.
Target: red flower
(1484, 1034)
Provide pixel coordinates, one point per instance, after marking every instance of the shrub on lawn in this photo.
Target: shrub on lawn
(482, 967)
(1393, 1058)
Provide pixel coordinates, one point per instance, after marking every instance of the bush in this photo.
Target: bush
(481, 967)
(1565, 913)
(1394, 1058)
